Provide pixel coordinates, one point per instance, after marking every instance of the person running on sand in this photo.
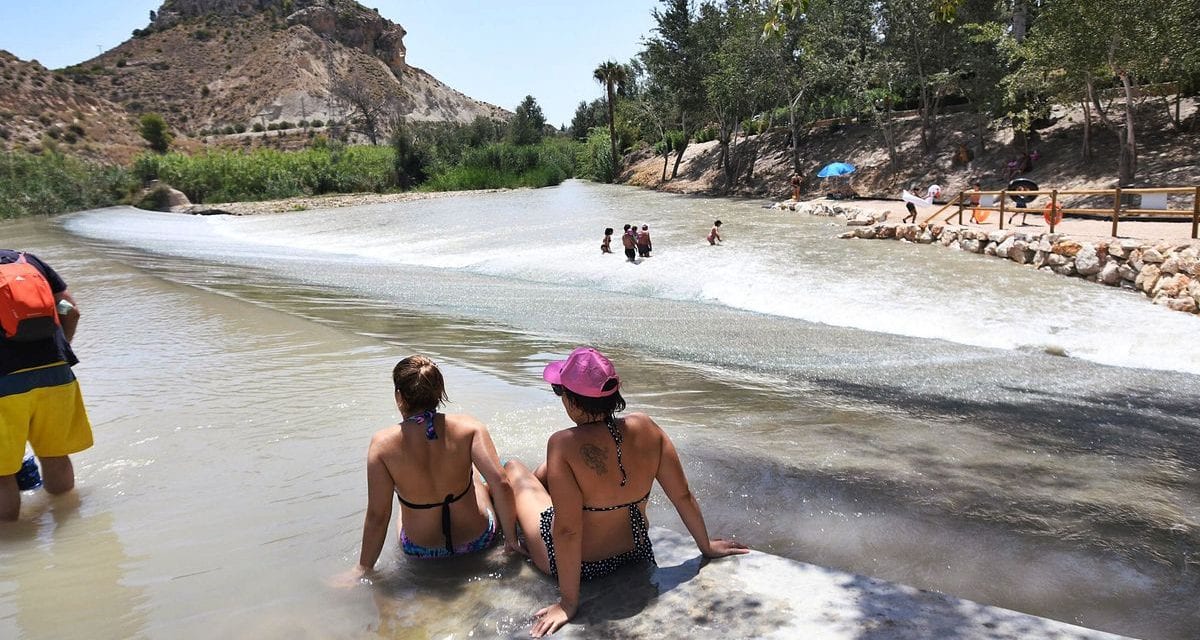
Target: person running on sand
(424, 462)
(605, 245)
(628, 241)
(583, 512)
(643, 241)
(714, 235)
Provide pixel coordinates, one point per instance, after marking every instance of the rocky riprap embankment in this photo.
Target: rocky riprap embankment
(1166, 272)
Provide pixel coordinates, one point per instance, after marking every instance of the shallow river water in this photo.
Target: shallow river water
(901, 411)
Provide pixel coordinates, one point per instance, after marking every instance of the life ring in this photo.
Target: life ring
(980, 216)
(1052, 214)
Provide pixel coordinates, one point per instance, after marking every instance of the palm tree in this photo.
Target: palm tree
(612, 75)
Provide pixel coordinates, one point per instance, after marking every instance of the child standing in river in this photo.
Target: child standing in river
(714, 235)
(607, 242)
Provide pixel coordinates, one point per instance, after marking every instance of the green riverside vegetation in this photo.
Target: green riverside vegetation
(423, 156)
(49, 182)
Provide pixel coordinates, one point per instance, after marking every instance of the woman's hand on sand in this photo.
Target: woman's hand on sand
(551, 619)
(720, 547)
(352, 578)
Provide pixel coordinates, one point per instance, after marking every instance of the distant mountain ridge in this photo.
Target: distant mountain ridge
(212, 65)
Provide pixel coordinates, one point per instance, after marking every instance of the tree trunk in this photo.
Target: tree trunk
(666, 158)
(684, 139)
(794, 126)
(1087, 130)
(981, 125)
(1129, 140)
(1020, 20)
(612, 130)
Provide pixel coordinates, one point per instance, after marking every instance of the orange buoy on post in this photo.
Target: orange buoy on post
(1052, 214)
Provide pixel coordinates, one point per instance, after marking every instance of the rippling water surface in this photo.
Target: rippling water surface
(878, 407)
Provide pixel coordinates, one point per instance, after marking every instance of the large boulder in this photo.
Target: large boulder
(1152, 256)
(1128, 273)
(1147, 278)
(1019, 251)
(1087, 262)
(1067, 248)
(1172, 286)
(162, 197)
(1111, 273)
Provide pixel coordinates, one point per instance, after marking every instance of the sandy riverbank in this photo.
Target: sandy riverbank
(1150, 232)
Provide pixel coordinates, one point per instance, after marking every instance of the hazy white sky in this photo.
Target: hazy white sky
(496, 51)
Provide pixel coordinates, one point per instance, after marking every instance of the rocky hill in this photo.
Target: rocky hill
(227, 65)
(40, 108)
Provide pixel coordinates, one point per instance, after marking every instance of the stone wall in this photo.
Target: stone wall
(1166, 272)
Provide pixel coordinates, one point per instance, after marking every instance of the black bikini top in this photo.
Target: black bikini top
(620, 506)
(445, 505)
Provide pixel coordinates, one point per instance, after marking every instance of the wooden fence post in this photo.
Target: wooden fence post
(1003, 198)
(960, 208)
(1116, 211)
(1195, 213)
(1053, 208)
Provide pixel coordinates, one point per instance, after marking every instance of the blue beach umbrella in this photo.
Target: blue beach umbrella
(836, 169)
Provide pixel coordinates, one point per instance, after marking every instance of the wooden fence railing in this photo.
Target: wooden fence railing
(1053, 211)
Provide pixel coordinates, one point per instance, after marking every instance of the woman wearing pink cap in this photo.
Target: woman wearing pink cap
(599, 473)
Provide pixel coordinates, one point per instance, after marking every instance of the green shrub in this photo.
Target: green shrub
(506, 165)
(50, 183)
(594, 159)
(264, 174)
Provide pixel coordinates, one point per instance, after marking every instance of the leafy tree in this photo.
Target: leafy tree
(153, 128)
(366, 106)
(745, 79)
(611, 75)
(1131, 43)
(587, 116)
(528, 123)
(674, 60)
(411, 160)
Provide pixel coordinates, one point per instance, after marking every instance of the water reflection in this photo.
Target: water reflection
(68, 571)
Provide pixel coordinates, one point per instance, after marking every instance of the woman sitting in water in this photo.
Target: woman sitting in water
(599, 474)
(428, 461)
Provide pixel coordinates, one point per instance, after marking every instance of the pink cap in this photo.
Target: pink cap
(586, 372)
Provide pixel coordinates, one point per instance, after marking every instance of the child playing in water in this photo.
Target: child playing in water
(714, 235)
(604, 245)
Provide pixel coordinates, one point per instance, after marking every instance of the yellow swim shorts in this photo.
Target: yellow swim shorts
(42, 406)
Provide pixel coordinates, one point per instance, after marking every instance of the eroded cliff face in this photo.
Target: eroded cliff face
(343, 21)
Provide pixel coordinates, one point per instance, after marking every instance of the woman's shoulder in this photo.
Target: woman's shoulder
(464, 424)
(387, 438)
(641, 424)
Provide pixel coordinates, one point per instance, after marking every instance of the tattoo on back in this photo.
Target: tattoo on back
(595, 458)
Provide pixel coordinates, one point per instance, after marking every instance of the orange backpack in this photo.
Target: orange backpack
(27, 305)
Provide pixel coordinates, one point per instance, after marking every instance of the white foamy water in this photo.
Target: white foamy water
(777, 263)
(226, 483)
